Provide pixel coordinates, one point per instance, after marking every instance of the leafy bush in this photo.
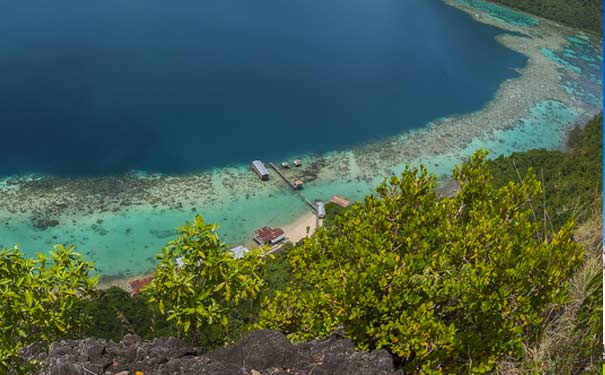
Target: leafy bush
(210, 283)
(38, 301)
(115, 313)
(447, 285)
(572, 181)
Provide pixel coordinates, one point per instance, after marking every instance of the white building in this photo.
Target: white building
(239, 251)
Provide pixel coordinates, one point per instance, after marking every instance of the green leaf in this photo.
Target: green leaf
(29, 298)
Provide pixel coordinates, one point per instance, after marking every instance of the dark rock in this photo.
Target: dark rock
(162, 234)
(259, 352)
(44, 223)
(130, 340)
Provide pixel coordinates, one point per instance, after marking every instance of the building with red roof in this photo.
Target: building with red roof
(269, 236)
(137, 286)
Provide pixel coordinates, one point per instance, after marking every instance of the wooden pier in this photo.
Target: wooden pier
(296, 185)
(311, 204)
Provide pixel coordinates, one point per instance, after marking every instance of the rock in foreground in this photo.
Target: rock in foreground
(260, 352)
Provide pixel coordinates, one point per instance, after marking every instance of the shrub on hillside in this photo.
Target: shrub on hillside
(447, 285)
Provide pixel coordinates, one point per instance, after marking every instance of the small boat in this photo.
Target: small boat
(297, 163)
(285, 165)
(320, 209)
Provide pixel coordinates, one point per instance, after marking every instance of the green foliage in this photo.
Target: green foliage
(589, 324)
(448, 285)
(332, 212)
(115, 313)
(571, 342)
(199, 295)
(583, 14)
(38, 299)
(276, 271)
(572, 181)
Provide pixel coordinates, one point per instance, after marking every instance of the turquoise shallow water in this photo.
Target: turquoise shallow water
(123, 243)
(545, 127)
(581, 68)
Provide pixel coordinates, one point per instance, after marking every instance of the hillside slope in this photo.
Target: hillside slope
(498, 268)
(583, 14)
(573, 180)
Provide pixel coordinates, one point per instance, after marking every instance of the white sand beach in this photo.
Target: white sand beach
(302, 227)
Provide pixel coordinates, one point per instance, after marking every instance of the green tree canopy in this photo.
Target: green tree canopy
(38, 298)
(448, 285)
(200, 294)
(572, 181)
(583, 14)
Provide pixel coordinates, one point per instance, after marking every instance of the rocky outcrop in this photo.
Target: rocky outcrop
(260, 352)
(44, 223)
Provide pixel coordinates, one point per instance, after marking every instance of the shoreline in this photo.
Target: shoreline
(303, 227)
(140, 211)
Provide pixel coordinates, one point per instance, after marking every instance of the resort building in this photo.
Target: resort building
(260, 170)
(239, 251)
(180, 262)
(269, 236)
(137, 286)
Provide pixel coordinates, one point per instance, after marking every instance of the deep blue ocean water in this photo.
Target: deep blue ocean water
(104, 87)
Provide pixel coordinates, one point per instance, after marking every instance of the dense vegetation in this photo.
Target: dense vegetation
(114, 313)
(39, 298)
(491, 279)
(583, 14)
(449, 285)
(572, 180)
(201, 292)
(573, 183)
